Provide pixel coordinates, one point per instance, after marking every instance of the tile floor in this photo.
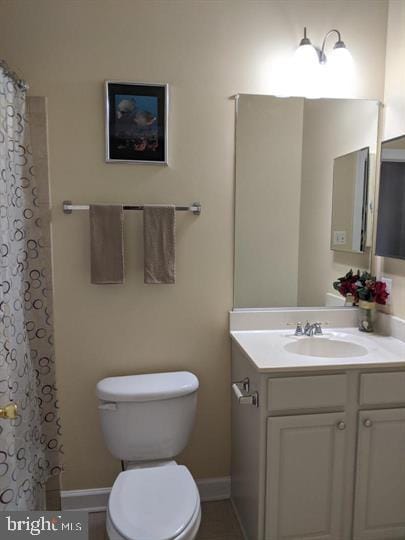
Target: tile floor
(218, 523)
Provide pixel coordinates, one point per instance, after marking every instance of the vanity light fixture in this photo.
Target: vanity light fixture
(306, 54)
(340, 53)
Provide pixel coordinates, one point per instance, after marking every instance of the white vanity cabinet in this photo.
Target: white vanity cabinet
(380, 475)
(323, 455)
(305, 476)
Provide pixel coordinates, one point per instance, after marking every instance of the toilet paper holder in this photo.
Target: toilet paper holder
(241, 389)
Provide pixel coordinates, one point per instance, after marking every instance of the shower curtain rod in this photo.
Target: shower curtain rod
(13, 75)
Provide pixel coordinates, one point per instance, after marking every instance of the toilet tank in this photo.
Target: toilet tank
(147, 417)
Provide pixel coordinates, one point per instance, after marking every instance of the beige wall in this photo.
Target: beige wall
(207, 51)
(394, 125)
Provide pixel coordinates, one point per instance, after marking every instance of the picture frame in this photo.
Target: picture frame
(136, 122)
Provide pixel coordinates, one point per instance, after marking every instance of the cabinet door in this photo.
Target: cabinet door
(305, 477)
(379, 511)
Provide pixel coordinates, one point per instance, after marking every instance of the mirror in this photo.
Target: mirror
(288, 151)
(390, 241)
(349, 202)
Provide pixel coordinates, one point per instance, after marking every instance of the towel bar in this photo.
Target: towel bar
(69, 207)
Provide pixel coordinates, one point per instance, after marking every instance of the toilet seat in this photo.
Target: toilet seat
(155, 503)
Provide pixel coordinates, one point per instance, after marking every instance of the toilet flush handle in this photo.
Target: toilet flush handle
(107, 406)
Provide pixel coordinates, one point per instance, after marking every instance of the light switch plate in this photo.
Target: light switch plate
(339, 238)
(388, 283)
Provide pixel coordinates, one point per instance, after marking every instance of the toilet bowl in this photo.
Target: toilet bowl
(158, 503)
(146, 421)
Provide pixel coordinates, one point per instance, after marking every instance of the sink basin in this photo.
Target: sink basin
(325, 347)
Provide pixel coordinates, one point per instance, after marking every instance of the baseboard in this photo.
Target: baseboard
(214, 489)
(95, 500)
(91, 500)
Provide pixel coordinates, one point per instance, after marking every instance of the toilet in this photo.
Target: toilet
(146, 421)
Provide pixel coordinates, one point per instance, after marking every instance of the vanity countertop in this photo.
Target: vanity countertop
(266, 349)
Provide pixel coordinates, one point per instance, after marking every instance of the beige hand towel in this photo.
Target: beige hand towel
(159, 233)
(106, 244)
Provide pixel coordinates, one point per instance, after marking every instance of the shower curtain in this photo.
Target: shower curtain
(30, 445)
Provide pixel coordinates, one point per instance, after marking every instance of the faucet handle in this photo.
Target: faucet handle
(318, 329)
(298, 328)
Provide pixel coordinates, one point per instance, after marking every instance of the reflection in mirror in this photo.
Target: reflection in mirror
(349, 201)
(390, 240)
(285, 154)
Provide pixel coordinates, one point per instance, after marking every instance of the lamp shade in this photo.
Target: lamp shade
(341, 61)
(305, 71)
(339, 73)
(306, 57)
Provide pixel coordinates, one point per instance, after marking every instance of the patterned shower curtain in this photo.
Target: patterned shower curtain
(30, 445)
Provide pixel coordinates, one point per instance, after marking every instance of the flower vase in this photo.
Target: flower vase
(367, 315)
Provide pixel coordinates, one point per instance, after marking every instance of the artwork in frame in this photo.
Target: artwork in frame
(136, 122)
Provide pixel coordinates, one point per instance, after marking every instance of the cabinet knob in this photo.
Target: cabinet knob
(341, 425)
(367, 422)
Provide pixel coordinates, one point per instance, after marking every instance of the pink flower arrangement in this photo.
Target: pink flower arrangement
(362, 286)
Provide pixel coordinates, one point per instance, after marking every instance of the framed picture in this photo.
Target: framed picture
(136, 122)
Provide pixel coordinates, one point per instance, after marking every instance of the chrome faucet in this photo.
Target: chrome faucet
(309, 329)
(313, 329)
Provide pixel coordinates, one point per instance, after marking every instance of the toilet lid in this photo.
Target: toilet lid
(153, 503)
